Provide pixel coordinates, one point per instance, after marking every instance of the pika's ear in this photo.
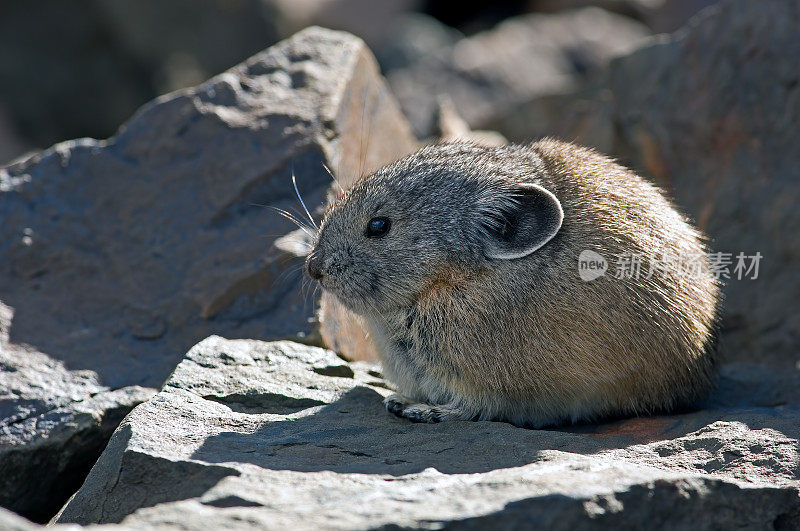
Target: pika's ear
(521, 222)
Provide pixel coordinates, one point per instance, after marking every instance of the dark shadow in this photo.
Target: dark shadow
(355, 434)
(661, 505)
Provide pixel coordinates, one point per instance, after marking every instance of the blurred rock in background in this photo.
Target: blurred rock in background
(78, 69)
(493, 71)
(661, 16)
(81, 68)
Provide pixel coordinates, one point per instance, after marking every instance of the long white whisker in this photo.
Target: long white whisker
(302, 226)
(294, 182)
(335, 180)
(285, 213)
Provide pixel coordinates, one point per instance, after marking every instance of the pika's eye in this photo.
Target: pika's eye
(378, 227)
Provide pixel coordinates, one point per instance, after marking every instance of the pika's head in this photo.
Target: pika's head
(446, 206)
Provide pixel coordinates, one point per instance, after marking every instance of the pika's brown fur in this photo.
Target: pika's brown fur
(474, 294)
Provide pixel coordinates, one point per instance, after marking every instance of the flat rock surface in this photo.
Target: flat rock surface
(118, 255)
(250, 434)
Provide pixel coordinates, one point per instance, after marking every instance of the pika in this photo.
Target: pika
(465, 261)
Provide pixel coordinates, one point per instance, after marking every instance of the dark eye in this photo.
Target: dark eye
(377, 227)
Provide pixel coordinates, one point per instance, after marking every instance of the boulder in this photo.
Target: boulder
(711, 113)
(248, 434)
(413, 37)
(533, 55)
(117, 255)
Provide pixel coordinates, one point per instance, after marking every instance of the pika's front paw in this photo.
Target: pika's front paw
(425, 413)
(395, 404)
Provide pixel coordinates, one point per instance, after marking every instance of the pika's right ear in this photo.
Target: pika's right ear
(520, 222)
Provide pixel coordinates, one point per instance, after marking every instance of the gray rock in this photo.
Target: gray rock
(528, 56)
(81, 68)
(53, 424)
(247, 434)
(372, 21)
(659, 15)
(117, 255)
(412, 38)
(714, 116)
(711, 113)
(583, 116)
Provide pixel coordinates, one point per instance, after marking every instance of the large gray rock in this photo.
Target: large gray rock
(247, 434)
(117, 255)
(711, 113)
(533, 55)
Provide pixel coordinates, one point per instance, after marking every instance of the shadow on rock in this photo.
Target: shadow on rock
(356, 434)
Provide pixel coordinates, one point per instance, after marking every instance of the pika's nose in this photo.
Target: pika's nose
(314, 265)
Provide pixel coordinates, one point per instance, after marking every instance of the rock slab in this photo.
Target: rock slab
(248, 434)
(117, 255)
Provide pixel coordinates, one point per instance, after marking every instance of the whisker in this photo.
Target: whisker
(288, 273)
(294, 182)
(288, 215)
(284, 213)
(335, 180)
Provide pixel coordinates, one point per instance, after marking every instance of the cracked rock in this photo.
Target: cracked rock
(248, 434)
(117, 255)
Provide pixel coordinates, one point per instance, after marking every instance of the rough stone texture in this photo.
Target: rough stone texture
(247, 434)
(528, 56)
(53, 425)
(117, 255)
(712, 113)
